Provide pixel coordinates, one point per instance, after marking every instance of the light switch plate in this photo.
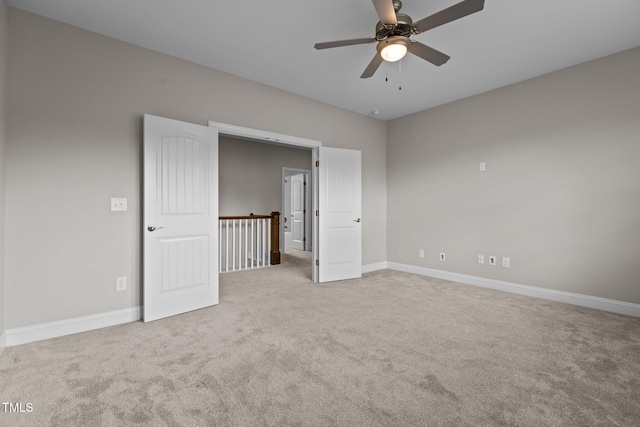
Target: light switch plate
(118, 204)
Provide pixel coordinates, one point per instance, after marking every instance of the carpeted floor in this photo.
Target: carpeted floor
(390, 349)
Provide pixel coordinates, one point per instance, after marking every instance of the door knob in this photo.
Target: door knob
(152, 228)
(357, 220)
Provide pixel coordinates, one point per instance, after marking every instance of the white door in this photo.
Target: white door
(297, 211)
(339, 220)
(180, 217)
(287, 214)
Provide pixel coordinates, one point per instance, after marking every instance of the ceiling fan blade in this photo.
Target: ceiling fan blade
(327, 45)
(428, 53)
(372, 67)
(386, 12)
(449, 14)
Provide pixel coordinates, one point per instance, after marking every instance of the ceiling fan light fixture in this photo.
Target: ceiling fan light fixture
(394, 48)
(393, 52)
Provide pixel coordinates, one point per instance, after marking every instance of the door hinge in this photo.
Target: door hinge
(304, 183)
(304, 239)
(304, 211)
(318, 262)
(317, 163)
(317, 213)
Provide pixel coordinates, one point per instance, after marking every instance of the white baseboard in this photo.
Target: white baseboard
(60, 328)
(598, 303)
(3, 342)
(368, 268)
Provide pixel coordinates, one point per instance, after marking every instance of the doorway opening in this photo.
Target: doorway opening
(295, 243)
(311, 226)
(256, 217)
(296, 210)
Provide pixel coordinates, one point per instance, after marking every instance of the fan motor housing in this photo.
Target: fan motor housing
(404, 28)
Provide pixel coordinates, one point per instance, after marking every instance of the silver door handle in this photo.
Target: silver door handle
(357, 220)
(152, 228)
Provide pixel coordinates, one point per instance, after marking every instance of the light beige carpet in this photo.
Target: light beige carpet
(390, 349)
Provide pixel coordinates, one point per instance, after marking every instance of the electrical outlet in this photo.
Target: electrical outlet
(480, 259)
(121, 283)
(118, 204)
(482, 166)
(492, 260)
(442, 256)
(421, 253)
(506, 262)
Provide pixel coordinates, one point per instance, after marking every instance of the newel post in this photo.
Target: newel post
(275, 238)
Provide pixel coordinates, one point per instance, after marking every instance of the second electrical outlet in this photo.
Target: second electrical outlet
(121, 283)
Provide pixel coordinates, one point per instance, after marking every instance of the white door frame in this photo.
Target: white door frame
(287, 171)
(271, 137)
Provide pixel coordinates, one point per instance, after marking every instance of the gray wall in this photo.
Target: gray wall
(561, 193)
(75, 139)
(4, 45)
(560, 196)
(251, 175)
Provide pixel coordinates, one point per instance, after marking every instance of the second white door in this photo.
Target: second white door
(298, 211)
(339, 220)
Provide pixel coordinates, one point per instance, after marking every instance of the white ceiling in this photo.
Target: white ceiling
(272, 42)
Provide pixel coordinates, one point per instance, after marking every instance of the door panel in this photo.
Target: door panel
(183, 262)
(182, 192)
(340, 227)
(180, 217)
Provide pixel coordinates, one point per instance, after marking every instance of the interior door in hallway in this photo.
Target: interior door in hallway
(298, 225)
(180, 217)
(339, 221)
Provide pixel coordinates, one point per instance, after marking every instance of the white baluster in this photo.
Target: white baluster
(269, 242)
(246, 251)
(226, 224)
(261, 242)
(233, 245)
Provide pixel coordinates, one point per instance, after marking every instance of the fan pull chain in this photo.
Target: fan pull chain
(400, 75)
(386, 71)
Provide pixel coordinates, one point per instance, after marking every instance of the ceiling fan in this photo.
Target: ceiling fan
(394, 29)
